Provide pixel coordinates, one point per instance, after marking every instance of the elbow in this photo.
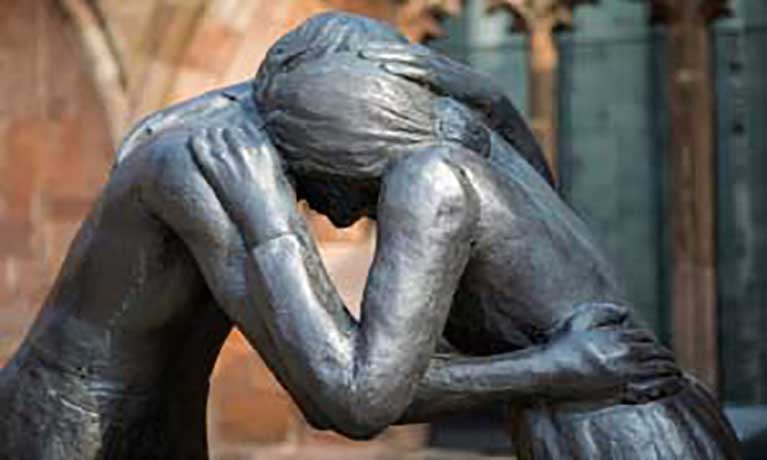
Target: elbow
(358, 405)
(360, 432)
(360, 424)
(363, 417)
(337, 412)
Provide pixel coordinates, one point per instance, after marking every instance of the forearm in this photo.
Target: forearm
(554, 371)
(364, 374)
(454, 385)
(323, 347)
(303, 312)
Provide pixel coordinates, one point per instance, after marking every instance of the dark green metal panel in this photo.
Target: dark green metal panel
(486, 43)
(613, 133)
(610, 157)
(741, 83)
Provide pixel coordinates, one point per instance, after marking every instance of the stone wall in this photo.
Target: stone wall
(75, 75)
(55, 153)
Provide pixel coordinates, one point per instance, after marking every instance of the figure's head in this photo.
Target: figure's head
(340, 120)
(322, 35)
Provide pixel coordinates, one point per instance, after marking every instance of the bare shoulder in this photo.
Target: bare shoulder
(432, 181)
(174, 191)
(162, 172)
(186, 112)
(164, 159)
(438, 170)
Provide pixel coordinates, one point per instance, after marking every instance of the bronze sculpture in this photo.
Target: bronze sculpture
(197, 231)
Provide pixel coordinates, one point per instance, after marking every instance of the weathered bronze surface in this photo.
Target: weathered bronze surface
(197, 231)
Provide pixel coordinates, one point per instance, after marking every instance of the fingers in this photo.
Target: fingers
(396, 52)
(251, 131)
(644, 351)
(642, 346)
(248, 139)
(390, 55)
(235, 138)
(413, 62)
(217, 143)
(653, 368)
(653, 351)
(651, 389)
(204, 158)
(635, 336)
(596, 315)
(199, 143)
(609, 315)
(411, 72)
(213, 155)
(229, 156)
(202, 151)
(383, 45)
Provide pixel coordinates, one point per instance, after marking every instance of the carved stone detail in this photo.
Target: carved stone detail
(531, 14)
(540, 18)
(691, 162)
(104, 61)
(420, 19)
(669, 11)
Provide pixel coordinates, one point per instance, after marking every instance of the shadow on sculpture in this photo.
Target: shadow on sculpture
(197, 231)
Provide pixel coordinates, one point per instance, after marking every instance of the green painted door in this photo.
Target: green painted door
(741, 97)
(613, 136)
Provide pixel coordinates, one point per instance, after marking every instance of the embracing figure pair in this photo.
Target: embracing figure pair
(197, 231)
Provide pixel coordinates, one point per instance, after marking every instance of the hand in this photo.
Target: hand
(442, 74)
(602, 356)
(447, 77)
(624, 363)
(245, 171)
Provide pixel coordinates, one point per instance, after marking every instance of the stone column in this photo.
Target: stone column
(540, 18)
(104, 61)
(420, 19)
(691, 163)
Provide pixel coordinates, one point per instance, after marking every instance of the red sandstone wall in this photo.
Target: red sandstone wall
(54, 155)
(55, 152)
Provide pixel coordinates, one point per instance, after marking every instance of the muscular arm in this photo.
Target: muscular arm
(281, 298)
(365, 375)
(267, 275)
(358, 379)
(593, 355)
(177, 193)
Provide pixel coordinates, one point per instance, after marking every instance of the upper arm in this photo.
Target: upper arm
(177, 193)
(426, 214)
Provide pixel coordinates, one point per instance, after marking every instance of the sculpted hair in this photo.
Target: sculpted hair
(346, 116)
(339, 120)
(313, 94)
(331, 112)
(322, 35)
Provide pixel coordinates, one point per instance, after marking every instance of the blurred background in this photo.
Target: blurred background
(653, 113)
